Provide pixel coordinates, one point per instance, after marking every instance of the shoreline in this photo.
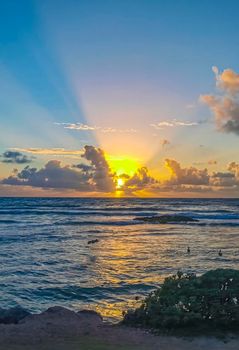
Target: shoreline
(62, 329)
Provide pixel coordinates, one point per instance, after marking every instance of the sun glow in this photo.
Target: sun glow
(120, 183)
(123, 165)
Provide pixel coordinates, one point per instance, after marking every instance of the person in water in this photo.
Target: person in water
(220, 252)
(188, 250)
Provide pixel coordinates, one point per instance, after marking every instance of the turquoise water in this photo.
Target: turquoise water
(45, 258)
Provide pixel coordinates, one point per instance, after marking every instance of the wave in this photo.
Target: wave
(97, 223)
(78, 213)
(88, 293)
(6, 221)
(221, 224)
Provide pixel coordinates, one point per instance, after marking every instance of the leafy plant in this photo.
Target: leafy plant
(185, 301)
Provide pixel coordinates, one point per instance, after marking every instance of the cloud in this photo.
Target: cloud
(51, 151)
(234, 168)
(101, 174)
(172, 123)
(225, 111)
(228, 80)
(15, 157)
(199, 180)
(223, 179)
(83, 167)
(92, 174)
(140, 180)
(27, 191)
(77, 126)
(85, 127)
(121, 131)
(186, 176)
(225, 106)
(97, 177)
(165, 143)
(52, 175)
(212, 162)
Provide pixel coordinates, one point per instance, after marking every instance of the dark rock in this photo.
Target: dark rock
(53, 315)
(93, 241)
(90, 317)
(166, 219)
(63, 320)
(13, 315)
(90, 313)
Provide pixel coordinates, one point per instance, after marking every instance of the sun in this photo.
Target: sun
(123, 164)
(120, 183)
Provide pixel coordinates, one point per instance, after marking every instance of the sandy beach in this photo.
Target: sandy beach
(60, 329)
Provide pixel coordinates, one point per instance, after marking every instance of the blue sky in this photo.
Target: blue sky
(119, 68)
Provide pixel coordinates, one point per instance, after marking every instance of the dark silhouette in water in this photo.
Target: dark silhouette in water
(93, 241)
(220, 252)
(188, 250)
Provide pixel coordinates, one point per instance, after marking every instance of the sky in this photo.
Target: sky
(119, 98)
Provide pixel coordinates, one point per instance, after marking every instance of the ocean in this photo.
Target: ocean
(45, 258)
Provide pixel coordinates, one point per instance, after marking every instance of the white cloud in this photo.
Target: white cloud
(51, 151)
(85, 127)
(172, 123)
(77, 126)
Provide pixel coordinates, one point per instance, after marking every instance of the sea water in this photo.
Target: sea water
(45, 258)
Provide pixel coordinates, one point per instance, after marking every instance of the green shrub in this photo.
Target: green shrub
(185, 301)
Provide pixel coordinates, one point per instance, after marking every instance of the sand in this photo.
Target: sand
(62, 329)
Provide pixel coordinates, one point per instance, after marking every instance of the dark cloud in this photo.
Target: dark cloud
(223, 179)
(186, 176)
(96, 176)
(101, 174)
(15, 157)
(83, 167)
(186, 188)
(140, 180)
(93, 174)
(52, 175)
(192, 179)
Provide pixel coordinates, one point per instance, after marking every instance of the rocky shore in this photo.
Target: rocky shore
(58, 328)
(166, 219)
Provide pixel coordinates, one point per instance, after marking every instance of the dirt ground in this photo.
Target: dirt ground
(62, 329)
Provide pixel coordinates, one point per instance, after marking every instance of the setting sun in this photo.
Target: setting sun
(123, 165)
(120, 183)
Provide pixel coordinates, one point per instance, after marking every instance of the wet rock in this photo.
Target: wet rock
(13, 315)
(93, 241)
(166, 219)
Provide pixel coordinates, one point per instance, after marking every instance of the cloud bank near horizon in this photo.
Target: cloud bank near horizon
(93, 174)
(15, 157)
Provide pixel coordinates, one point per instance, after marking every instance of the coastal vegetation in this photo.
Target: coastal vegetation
(185, 304)
(191, 304)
